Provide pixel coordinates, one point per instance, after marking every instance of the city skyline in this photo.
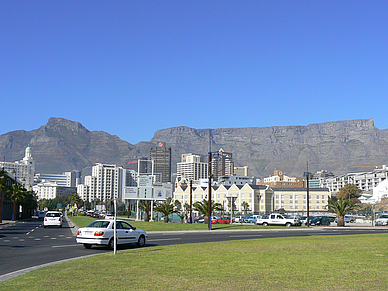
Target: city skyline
(131, 68)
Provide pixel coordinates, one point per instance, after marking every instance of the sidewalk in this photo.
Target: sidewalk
(6, 222)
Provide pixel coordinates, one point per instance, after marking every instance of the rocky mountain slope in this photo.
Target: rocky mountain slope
(64, 145)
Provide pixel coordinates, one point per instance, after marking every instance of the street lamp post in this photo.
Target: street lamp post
(14, 197)
(209, 223)
(191, 201)
(231, 200)
(258, 199)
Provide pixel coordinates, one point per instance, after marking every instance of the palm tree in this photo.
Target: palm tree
(203, 208)
(245, 207)
(166, 207)
(145, 205)
(340, 207)
(4, 182)
(29, 204)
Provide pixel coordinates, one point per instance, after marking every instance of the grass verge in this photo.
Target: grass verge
(353, 262)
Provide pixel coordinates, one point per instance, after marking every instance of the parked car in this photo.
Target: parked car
(96, 215)
(41, 214)
(199, 219)
(320, 220)
(347, 219)
(278, 219)
(222, 220)
(89, 213)
(101, 232)
(52, 218)
(382, 220)
(250, 219)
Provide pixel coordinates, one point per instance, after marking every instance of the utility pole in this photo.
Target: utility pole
(209, 223)
(308, 196)
(191, 201)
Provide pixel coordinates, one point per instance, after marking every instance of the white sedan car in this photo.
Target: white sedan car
(52, 218)
(101, 232)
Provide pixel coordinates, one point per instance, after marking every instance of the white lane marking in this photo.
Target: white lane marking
(21, 239)
(6, 240)
(65, 246)
(53, 238)
(15, 237)
(163, 239)
(246, 235)
(37, 239)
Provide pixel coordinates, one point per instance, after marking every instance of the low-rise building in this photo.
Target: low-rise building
(51, 190)
(280, 180)
(365, 181)
(295, 199)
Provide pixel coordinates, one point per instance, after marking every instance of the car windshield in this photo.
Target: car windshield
(55, 214)
(99, 224)
(383, 216)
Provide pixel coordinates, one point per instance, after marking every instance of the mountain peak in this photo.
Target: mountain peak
(56, 123)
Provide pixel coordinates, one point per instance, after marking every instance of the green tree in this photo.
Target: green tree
(203, 208)
(340, 207)
(166, 207)
(245, 207)
(29, 204)
(4, 188)
(74, 198)
(350, 192)
(145, 205)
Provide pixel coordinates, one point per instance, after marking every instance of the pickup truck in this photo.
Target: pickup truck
(277, 219)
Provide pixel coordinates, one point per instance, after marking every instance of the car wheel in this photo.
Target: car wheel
(45, 226)
(141, 241)
(111, 244)
(87, 246)
(288, 224)
(60, 226)
(265, 224)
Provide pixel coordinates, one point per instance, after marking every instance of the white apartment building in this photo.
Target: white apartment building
(192, 167)
(365, 181)
(51, 190)
(107, 182)
(66, 179)
(23, 171)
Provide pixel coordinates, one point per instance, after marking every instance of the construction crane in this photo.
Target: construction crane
(374, 166)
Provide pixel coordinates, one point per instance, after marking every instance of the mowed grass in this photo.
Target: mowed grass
(83, 221)
(354, 262)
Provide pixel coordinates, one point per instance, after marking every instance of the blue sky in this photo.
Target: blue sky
(132, 67)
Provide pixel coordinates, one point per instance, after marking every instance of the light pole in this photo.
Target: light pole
(258, 199)
(209, 223)
(191, 201)
(231, 200)
(14, 197)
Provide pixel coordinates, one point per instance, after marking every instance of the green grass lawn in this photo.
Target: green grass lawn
(83, 221)
(354, 262)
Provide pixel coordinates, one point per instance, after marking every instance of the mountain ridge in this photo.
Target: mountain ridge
(337, 146)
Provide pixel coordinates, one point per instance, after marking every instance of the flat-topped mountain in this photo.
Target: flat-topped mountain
(64, 145)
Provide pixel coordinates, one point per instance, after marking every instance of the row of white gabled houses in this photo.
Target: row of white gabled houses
(261, 199)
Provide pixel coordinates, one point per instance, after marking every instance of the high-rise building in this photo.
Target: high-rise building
(107, 182)
(66, 179)
(23, 171)
(241, 171)
(222, 164)
(192, 167)
(161, 157)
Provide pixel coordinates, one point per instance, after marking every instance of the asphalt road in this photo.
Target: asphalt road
(26, 245)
